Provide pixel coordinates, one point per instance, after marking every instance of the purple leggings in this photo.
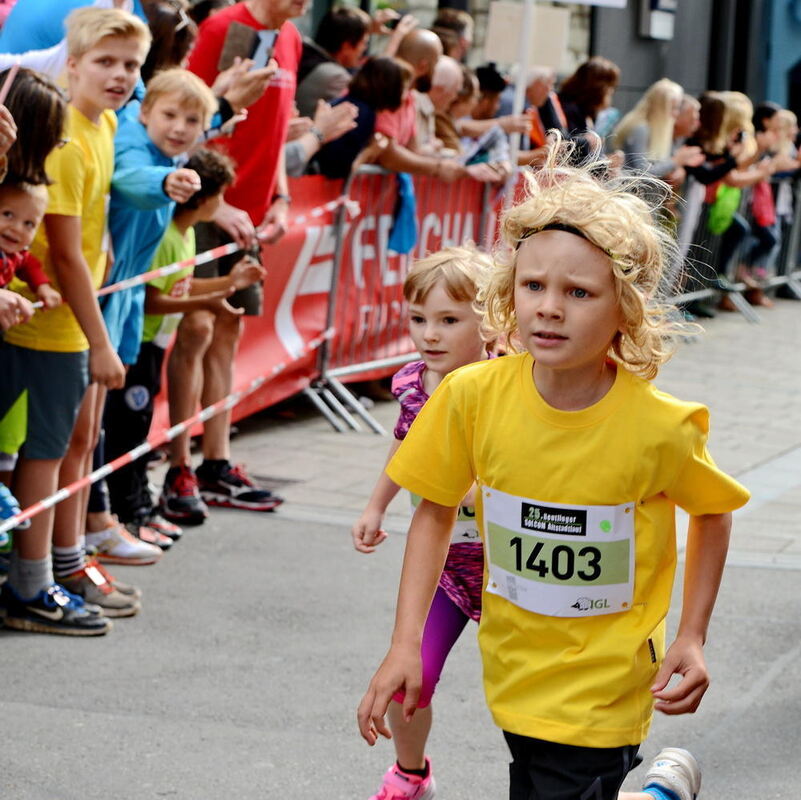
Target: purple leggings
(444, 625)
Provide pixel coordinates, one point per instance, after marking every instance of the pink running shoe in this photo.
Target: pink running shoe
(400, 785)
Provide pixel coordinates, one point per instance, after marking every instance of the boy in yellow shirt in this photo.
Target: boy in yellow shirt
(580, 463)
(61, 352)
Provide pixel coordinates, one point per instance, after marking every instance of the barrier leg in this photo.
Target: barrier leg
(744, 307)
(324, 410)
(347, 397)
(334, 403)
(794, 287)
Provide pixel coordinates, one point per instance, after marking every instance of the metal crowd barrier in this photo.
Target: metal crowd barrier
(366, 307)
(706, 278)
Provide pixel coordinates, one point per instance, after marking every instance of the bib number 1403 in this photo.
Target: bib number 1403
(564, 563)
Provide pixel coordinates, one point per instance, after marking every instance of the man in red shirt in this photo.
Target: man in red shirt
(257, 200)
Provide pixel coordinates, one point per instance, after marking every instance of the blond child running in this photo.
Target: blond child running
(580, 463)
(446, 330)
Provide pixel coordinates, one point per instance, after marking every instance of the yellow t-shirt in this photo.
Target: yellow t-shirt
(81, 173)
(580, 678)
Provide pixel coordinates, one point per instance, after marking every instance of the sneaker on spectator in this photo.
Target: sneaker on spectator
(676, 770)
(180, 499)
(222, 484)
(116, 545)
(122, 588)
(155, 521)
(53, 610)
(90, 584)
(400, 785)
(148, 535)
(9, 507)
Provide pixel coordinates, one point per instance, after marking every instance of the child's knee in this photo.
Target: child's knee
(195, 332)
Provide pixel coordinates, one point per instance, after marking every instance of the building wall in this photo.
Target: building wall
(784, 49)
(684, 59)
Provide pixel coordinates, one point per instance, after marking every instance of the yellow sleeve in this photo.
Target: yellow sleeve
(66, 167)
(435, 459)
(700, 487)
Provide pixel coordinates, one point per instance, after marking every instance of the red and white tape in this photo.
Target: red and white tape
(157, 440)
(217, 252)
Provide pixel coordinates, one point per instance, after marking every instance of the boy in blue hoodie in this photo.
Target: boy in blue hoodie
(146, 184)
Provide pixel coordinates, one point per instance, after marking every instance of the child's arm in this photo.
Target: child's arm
(426, 551)
(75, 280)
(156, 302)
(244, 273)
(367, 532)
(32, 273)
(707, 545)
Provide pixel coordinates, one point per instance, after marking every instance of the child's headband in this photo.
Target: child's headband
(561, 226)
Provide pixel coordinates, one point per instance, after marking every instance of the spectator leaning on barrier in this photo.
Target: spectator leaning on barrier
(588, 91)
(447, 83)
(646, 134)
(306, 136)
(327, 62)
(260, 199)
(422, 49)
(378, 86)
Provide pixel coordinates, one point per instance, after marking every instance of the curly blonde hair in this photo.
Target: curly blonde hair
(616, 215)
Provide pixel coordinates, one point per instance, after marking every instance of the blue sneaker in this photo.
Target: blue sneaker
(53, 610)
(9, 507)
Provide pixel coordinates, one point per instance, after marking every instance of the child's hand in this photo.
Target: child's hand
(367, 532)
(8, 130)
(14, 309)
(400, 670)
(218, 304)
(684, 657)
(48, 295)
(181, 184)
(106, 368)
(246, 272)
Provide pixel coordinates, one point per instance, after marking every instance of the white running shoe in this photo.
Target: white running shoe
(115, 545)
(677, 770)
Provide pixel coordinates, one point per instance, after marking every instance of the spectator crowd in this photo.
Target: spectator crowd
(137, 133)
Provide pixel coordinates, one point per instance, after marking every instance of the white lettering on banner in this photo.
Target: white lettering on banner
(447, 228)
(317, 278)
(363, 250)
(318, 243)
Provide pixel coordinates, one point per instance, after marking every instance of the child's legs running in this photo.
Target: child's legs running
(444, 625)
(185, 376)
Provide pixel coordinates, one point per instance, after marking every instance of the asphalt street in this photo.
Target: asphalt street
(241, 675)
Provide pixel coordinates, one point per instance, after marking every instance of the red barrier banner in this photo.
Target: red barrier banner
(370, 318)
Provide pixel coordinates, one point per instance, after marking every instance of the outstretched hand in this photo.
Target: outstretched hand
(684, 657)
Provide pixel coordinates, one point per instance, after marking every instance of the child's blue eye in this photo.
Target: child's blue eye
(580, 293)
(534, 286)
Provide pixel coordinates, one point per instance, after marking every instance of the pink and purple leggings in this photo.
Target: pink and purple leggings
(444, 625)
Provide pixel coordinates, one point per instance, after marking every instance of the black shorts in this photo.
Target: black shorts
(543, 770)
(209, 235)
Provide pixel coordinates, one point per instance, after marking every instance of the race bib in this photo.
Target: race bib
(559, 560)
(465, 529)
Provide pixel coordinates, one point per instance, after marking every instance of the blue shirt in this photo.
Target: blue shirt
(38, 24)
(139, 215)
